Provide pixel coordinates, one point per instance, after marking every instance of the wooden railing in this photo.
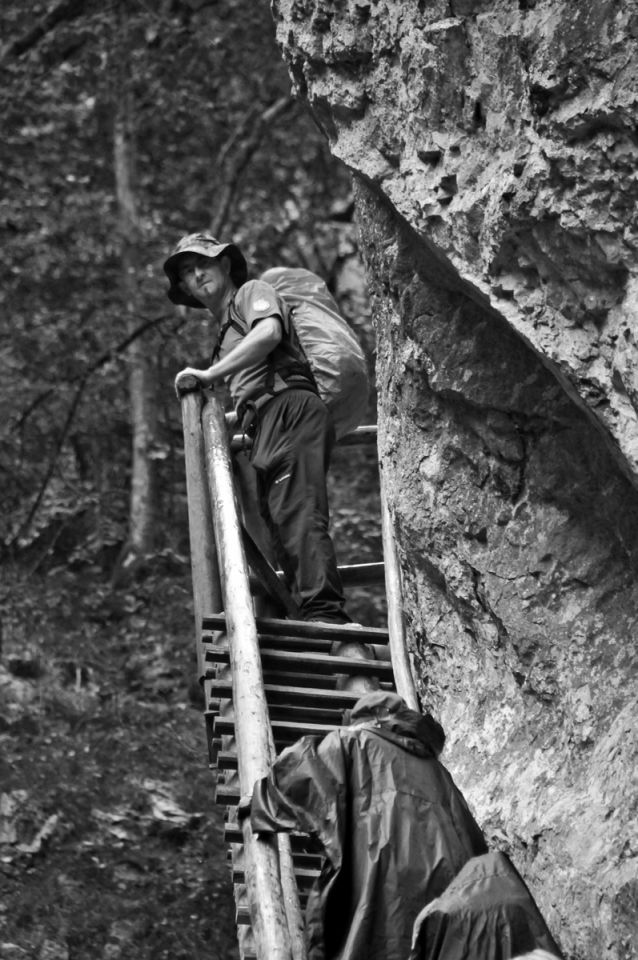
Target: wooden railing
(221, 581)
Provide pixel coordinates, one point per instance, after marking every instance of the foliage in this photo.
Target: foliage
(95, 682)
(203, 76)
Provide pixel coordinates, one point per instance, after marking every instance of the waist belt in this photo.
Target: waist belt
(249, 411)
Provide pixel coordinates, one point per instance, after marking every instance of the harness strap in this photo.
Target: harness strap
(234, 322)
(249, 410)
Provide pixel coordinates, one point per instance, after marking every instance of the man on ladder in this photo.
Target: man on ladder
(257, 354)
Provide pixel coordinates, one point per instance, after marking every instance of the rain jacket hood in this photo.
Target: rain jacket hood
(486, 913)
(393, 720)
(391, 824)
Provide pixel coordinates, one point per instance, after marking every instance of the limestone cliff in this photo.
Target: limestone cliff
(494, 149)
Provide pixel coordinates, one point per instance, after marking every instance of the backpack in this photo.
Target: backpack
(330, 347)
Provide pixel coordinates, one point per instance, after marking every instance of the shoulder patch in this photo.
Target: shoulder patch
(261, 304)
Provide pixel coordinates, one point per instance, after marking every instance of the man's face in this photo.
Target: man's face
(204, 278)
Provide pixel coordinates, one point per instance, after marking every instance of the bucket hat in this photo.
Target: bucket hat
(207, 246)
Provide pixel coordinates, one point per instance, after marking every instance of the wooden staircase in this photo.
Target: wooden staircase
(268, 680)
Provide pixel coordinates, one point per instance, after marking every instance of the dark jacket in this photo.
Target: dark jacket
(486, 913)
(392, 825)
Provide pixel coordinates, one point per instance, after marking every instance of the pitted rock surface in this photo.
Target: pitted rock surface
(494, 149)
(518, 539)
(506, 133)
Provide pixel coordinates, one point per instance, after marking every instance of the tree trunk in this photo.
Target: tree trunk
(142, 532)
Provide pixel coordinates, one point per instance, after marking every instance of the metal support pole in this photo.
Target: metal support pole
(403, 677)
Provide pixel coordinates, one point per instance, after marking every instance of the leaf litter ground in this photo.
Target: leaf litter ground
(110, 841)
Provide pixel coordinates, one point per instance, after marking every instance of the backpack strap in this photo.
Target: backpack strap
(233, 321)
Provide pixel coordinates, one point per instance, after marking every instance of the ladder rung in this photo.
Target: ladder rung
(351, 575)
(315, 645)
(324, 663)
(312, 861)
(362, 436)
(362, 574)
(227, 795)
(271, 626)
(298, 841)
(311, 681)
(320, 662)
(302, 860)
(227, 760)
(304, 713)
(275, 693)
(284, 731)
(303, 709)
(301, 713)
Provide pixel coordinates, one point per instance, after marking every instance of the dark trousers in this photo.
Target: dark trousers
(291, 455)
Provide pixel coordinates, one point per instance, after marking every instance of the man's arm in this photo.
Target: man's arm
(257, 344)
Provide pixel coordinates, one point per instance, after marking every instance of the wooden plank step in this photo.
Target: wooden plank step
(319, 662)
(315, 645)
(246, 944)
(362, 574)
(363, 436)
(301, 859)
(351, 575)
(297, 710)
(312, 861)
(302, 713)
(284, 731)
(227, 760)
(304, 645)
(272, 626)
(280, 693)
(310, 681)
(233, 834)
(311, 644)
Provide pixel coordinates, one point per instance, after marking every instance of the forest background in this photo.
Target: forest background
(126, 125)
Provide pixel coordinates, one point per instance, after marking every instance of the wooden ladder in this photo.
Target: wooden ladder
(268, 681)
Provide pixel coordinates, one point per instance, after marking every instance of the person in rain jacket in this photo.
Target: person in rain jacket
(486, 913)
(392, 825)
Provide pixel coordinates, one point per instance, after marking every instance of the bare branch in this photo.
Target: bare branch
(101, 361)
(237, 162)
(82, 382)
(65, 10)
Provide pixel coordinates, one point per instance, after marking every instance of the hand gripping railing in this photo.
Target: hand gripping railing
(271, 887)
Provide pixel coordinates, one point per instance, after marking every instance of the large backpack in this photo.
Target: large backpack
(331, 348)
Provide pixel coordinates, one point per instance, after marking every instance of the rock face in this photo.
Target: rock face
(494, 149)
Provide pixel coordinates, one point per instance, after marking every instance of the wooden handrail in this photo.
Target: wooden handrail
(272, 894)
(207, 594)
(221, 584)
